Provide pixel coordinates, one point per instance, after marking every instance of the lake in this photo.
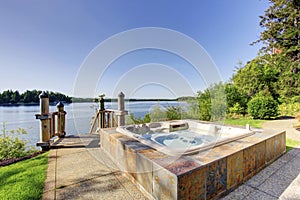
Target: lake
(78, 116)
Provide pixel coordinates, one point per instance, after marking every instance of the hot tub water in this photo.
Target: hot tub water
(182, 137)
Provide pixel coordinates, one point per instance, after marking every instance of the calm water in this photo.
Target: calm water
(79, 116)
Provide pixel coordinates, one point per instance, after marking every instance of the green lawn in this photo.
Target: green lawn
(25, 179)
(290, 144)
(256, 123)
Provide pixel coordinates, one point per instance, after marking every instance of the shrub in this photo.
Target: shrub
(295, 99)
(235, 111)
(158, 114)
(138, 120)
(289, 109)
(174, 112)
(263, 106)
(13, 147)
(212, 103)
(193, 109)
(204, 105)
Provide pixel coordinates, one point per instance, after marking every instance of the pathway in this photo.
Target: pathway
(285, 124)
(79, 169)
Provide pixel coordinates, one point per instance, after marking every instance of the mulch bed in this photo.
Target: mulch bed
(10, 161)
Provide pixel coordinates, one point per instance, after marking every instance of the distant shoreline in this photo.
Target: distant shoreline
(127, 100)
(25, 104)
(88, 100)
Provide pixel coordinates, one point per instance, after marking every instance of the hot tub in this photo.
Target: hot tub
(182, 137)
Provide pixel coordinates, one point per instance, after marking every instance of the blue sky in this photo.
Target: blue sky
(43, 44)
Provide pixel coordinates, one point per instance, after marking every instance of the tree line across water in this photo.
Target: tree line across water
(10, 97)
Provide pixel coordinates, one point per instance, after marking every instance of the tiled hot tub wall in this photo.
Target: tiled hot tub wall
(204, 175)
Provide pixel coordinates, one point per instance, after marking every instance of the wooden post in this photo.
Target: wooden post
(45, 119)
(52, 125)
(61, 120)
(112, 120)
(108, 120)
(102, 118)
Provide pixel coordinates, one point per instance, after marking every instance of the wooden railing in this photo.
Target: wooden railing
(51, 123)
(104, 119)
(58, 123)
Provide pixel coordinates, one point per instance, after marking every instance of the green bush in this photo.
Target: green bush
(193, 109)
(289, 109)
(158, 114)
(13, 147)
(236, 100)
(138, 120)
(235, 111)
(263, 106)
(295, 99)
(204, 105)
(212, 103)
(175, 112)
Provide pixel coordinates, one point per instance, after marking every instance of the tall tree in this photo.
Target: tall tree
(212, 103)
(282, 29)
(258, 75)
(281, 47)
(15, 97)
(236, 97)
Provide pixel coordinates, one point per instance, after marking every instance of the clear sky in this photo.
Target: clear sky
(44, 43)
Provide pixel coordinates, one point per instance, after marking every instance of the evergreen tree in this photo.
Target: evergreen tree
(30, 96)
(15, 97)
(276, 69)
(258, 75)
(281, 39)
(282, 29)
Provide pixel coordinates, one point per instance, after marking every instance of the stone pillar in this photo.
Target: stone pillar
(121, 102)
(121, 110)
(61, 120)
(45, 119)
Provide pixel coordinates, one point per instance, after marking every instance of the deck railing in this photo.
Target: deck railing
(107, 118)
(51, 123)
(104, 119)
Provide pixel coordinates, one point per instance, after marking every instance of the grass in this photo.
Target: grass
(256, 123)
(290, 144)
(25, 179)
